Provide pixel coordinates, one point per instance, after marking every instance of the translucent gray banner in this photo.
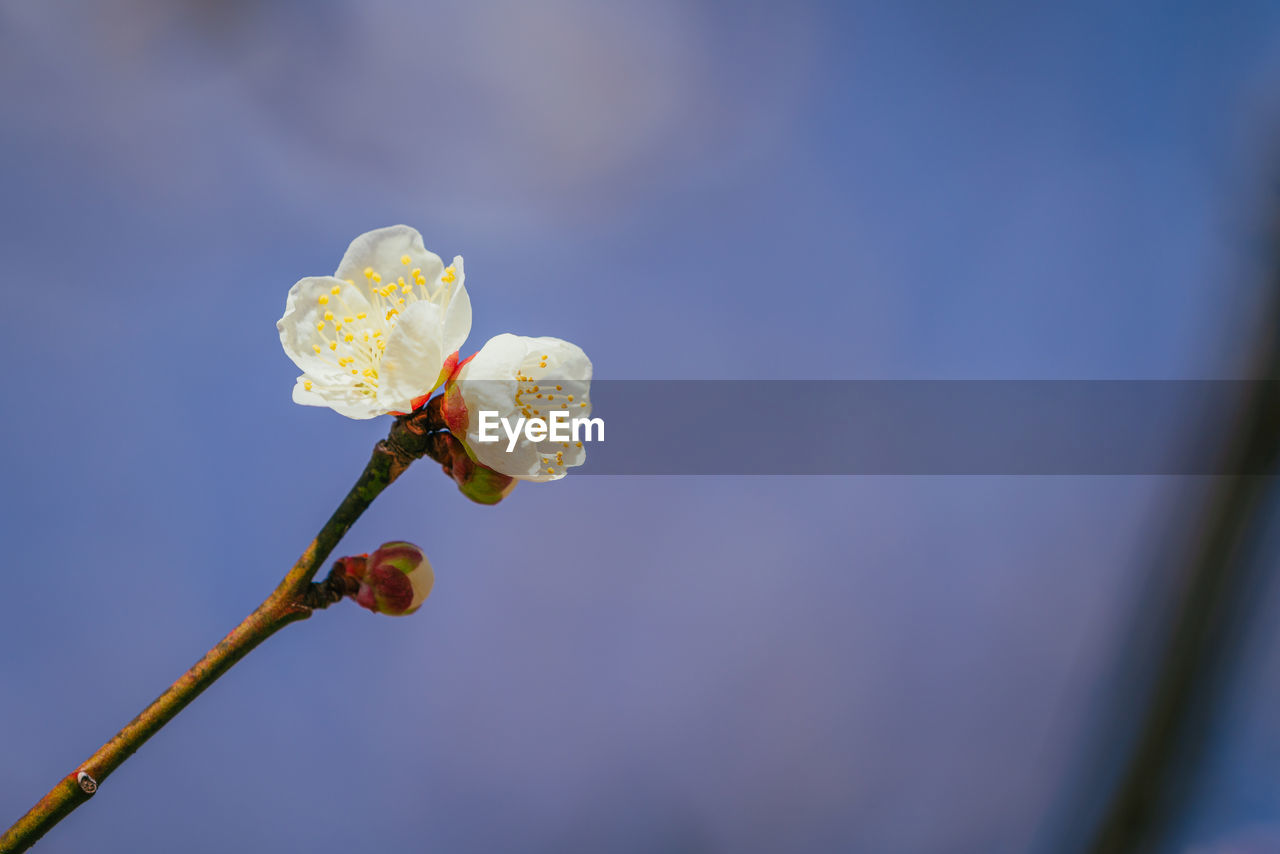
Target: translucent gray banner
(708, 427)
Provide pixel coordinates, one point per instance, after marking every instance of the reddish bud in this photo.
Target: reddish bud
(394, 580)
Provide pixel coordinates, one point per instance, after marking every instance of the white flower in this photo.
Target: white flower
(373, 338)
(520, 377)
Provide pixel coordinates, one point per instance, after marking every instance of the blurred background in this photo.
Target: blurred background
(689, 191)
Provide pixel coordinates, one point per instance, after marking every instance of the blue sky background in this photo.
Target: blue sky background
(905, 190)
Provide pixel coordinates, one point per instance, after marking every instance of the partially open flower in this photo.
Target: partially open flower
(518, 378)
(376, 336)
(394, 580)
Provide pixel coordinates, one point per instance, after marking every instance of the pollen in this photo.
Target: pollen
(320, 326)
(559, 388)
(348, 337)
(333, 345)
(307, 385)
(449, 275)
(406, 260)
(335, 290)
(324, 299)
(328, 315)
(368, 272)
(315, 347)
(570, 396)
(361, 316)
(377, 278)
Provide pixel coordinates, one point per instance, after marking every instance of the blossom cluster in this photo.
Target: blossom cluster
(383, 333)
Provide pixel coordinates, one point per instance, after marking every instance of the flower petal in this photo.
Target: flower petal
(303, 327)
(303, 394)
(457, 314)
(413, 358)
(383, 250)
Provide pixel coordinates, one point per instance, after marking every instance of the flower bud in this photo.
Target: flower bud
(394, 580)
(475, 480)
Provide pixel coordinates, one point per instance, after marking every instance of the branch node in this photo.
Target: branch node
(87, 784)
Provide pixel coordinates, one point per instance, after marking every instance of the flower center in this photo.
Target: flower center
(536, 397)
(353, 340)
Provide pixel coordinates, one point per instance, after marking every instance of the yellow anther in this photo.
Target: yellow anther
(333, 345)
(579, 444)
(348, 337)
(377, 278)
(360, 316)
(348, 320)
(584, 403)
(549, 397)
(407, 289)
(324, 299)
(371, 373)
(335, 290)
(328, 315)
(377, 332)
(382, 345)
(543, 365)
(320, 326)
(307, 385)
(535, 388)
(559, 388)
(570, 396)
(538, 395)
(368, 272)
(449, 274)
(315, 347)
(406, 260)
(544, 357)
(354, 372)
(550, 470)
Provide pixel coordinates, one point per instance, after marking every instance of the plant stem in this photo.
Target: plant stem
(293, 600)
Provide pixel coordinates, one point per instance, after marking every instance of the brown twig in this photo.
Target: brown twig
(295, 598)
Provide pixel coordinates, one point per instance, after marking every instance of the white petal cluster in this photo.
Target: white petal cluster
(382, 333)
(374, 337)
(520, 377)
